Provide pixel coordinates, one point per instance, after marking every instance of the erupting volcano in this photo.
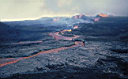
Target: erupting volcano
(85, 47)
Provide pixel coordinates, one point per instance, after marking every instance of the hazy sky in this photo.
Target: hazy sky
(20, 9)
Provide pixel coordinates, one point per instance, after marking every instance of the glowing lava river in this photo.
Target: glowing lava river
(56, 36)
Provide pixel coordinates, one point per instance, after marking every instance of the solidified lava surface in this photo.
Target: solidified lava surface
(96, 50)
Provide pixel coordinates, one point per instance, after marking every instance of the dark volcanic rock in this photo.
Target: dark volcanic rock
(104, 56)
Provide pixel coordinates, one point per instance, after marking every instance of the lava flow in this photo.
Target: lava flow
(57, 36)
(7, 61)
(103, 15)
(28, 42)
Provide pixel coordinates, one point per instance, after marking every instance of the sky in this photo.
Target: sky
(30, 9)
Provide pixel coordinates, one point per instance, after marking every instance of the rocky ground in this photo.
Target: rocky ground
(104, 55)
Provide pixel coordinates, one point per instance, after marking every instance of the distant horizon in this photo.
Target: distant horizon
(31, 9)
(23, 19)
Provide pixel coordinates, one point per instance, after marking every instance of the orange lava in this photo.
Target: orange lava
(69, 30)
(56, 35)
(4, 62)
(9, 62)
(103, 15)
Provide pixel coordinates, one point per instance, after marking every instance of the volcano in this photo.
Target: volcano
(66, 48)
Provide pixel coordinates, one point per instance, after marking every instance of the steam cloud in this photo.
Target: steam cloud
(15, 9)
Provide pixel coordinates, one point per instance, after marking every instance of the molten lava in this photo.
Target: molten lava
(63, 31)
(69, 30)
(103, 15)
(7, 61)
(56, 35)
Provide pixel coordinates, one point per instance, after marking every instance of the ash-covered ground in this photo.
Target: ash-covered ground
(104, 55)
